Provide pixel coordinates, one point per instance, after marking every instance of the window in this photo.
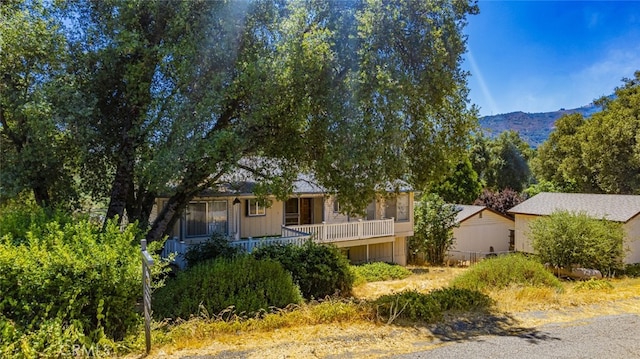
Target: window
(371, 211)
(218, 223)
(291, 212)
(336, 206)
(402, 207)
(254, 208)
(196, 219)
(397, 207)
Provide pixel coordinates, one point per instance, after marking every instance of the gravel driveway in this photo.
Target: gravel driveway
(611, 337)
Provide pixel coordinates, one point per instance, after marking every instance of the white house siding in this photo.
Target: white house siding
(632, 240)
(481, 232)
(522, 241)
(261, 226)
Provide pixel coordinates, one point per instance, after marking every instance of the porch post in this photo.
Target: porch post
(367, 253)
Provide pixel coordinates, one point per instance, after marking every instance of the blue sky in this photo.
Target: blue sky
(540, 56)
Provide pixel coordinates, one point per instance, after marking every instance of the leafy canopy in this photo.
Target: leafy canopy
(433, 229)
(600, 154)
(564, 239)
(173, 97)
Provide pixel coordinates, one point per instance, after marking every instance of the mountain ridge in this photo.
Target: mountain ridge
(534, 128)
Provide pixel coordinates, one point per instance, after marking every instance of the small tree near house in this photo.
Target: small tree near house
(564, 239)
(433, 230)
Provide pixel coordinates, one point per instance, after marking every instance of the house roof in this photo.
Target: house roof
(468, 211)
(614, 207)
(304, 184)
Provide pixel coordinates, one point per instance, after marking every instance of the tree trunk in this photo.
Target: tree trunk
(41, 195)
(121, 187)
(168, 216)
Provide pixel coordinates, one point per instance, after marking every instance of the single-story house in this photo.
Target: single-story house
(481, 232)
(234, 211)
(624, 209)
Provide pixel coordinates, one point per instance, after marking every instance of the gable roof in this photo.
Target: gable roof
(468, 211)
(614, 207)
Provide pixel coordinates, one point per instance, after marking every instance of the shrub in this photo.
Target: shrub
(378, 271)
(245, 283)
(564, 239)
(632, 270)
(413, 305)
(217, 246)
(67, 284)
(434, 223)
(503, 271)
(319, 270)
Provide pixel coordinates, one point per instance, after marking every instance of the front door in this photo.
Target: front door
(306, 210)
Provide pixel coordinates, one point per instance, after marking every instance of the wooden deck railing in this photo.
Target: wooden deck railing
(323, 233)
(336, 232)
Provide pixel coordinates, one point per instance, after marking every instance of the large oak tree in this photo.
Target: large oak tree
(185, 94)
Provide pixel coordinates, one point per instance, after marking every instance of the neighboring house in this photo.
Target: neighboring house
(482, 231)
(624, 209)
(235, 212)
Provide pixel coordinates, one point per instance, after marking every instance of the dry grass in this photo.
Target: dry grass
(348, 329)
(423, 280)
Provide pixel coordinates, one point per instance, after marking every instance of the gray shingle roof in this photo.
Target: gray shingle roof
(467, 211)
(614, 207)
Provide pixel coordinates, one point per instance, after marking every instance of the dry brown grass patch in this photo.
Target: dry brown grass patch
(424, 280)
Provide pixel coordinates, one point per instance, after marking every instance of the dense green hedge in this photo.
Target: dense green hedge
(244, 282)
(319, 270)
(66, 285)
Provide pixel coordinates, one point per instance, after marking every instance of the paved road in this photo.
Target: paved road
(611, 337)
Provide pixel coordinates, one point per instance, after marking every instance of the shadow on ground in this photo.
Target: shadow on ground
(470, 327)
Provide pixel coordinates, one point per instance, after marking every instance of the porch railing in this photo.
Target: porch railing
(336, 232)
(179, 248)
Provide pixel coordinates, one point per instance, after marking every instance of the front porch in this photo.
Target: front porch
(297, 235)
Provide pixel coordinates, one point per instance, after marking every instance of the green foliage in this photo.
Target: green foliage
(319, 270)
(413, 305)
(243, 282)
(217, 246)
(502, 162)
(22, 215)
(539, 187)
(632, 270)
(378, 271)
(503, 271)
(564, 239)
(433, 229)
(36, 98)
(600, 154)
(131, 98)
(67, 284)
(462, 186)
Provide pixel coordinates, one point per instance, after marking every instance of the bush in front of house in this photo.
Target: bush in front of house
(319, 270)
(504, 271)
(244, 283)
(378, 271)
(66, 282)
(216, 246)
(565, 239)
(415, 306)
